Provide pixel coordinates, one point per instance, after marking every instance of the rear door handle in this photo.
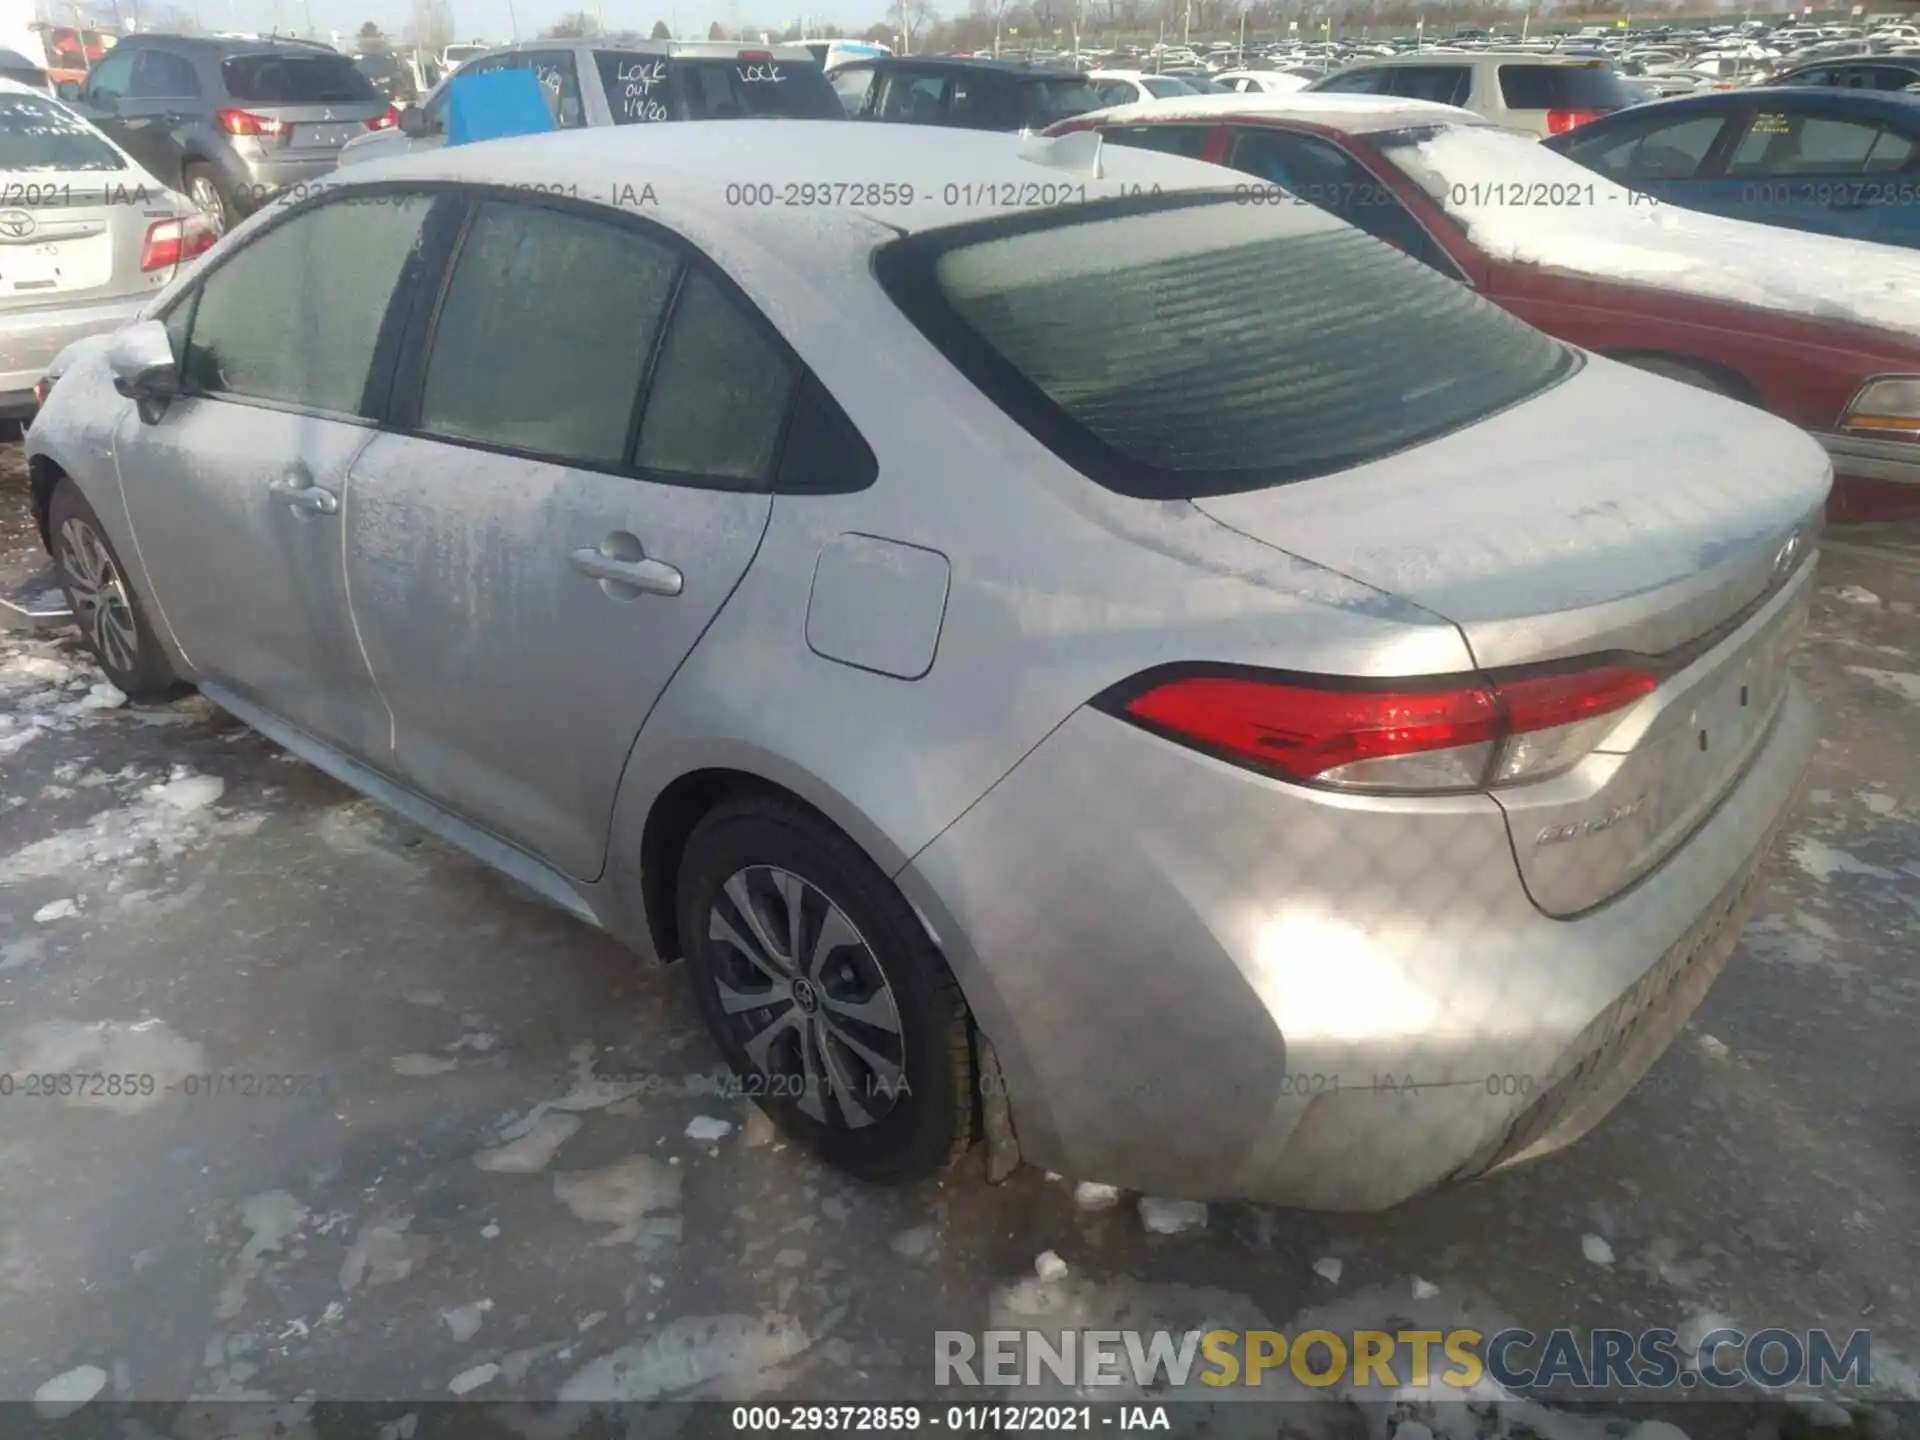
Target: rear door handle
(621, 565)
(314, 499)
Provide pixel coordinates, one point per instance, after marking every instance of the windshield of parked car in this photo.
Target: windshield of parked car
(38, 135)
(284, 79)
(1165, 87)
(1202, 347)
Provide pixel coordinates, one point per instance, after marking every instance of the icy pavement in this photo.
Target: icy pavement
(414, 1136)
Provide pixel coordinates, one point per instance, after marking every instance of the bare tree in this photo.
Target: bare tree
(660, 31)
(920, 16)
(431, 25)
(717, 31)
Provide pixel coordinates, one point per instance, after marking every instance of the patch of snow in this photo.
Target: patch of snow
(1622, 235)
(1715, 1048)
(1171, 1217)
(1596, 1249)
(533, 1149)
(1424, 1289)
(416, 1065)
(109, 1047)
(464, 1320)
(1815, 926)
(624, 1195)
(68, 1391)
(1856, 595)
(1091, 1195)
(1878, 803)
(468, 1380)
(1903, 683)
(1823, 861)
(706, 1127)
(55, 910)
(758, 1130)
(1049, 1266)
(490, 1230)
(1329, 1269)
(914, 1244)
(166, 821)
(725, 1352)
(382, 1254)
(271, 1218)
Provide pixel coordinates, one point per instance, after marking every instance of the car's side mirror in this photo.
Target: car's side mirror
(141, 359)
(413, 122)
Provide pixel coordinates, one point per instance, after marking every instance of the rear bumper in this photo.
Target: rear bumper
(1203, 983)
(30, 339)
(260, 179)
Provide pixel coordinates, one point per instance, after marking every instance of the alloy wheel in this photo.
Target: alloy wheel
(204, 193)
(100, 604)
(806, 998)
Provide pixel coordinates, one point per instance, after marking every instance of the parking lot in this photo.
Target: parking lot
(475, 1163)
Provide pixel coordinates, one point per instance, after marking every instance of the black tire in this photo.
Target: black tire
(1686, 374)
(914, 1127)
(207, 190)
(111, 617)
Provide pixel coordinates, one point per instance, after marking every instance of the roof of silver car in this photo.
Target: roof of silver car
(1355, 114)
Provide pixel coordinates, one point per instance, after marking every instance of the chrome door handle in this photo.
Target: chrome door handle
(640, 575)
(314, 499)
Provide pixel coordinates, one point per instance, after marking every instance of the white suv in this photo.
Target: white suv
(1543, 94)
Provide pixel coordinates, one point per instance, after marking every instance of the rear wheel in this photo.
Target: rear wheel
(1686, 374)
(206, 191)
(824, 991)
(109, 614)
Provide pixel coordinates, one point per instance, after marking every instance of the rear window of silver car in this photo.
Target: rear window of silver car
(37, 135)
(1192, 346)
(296, 80)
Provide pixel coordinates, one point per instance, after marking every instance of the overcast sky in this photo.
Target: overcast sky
(489, 19)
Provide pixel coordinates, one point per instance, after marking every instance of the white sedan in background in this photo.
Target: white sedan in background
(1129, 87)
(1265, 82)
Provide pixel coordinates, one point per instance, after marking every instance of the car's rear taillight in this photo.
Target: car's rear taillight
(42, 388)
(245, 122)
(387, 121)
(1561, 121)
(1446, 734)
(168, 242)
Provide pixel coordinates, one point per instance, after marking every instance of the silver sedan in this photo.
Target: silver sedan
(1171, 684)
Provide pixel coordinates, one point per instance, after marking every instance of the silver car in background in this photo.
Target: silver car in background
(1253, 763)
(86, 237)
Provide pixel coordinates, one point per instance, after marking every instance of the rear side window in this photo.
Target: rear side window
(720, 393)
(1356, 82)
(1187, 140)
(1791, 144)
(1042, 102)
(1656, 148)
(544, 334)
(1562, 87)
(1442, 84)
(635, 85)
(38, 135)
(296, 80)
(747, 89)
(1181, 349)
(295, 315)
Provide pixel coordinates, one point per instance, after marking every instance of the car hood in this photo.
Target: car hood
(1617, 510)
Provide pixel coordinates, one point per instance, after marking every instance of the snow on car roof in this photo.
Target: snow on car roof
(1356, 114)
(1522, 203)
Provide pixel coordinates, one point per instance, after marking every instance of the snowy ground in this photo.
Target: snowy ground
(455, 1196)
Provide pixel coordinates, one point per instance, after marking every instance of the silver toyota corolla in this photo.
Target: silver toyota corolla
(1040, 639)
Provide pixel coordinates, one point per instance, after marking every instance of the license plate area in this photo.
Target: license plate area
(329, 136)
(30, 269)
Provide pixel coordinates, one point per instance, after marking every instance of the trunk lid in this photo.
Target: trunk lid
(1617, 512)
(84, 243)
(322, 100)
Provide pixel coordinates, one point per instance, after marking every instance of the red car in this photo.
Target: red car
(1821, 331)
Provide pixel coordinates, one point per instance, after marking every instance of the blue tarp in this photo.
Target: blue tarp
(495, 105)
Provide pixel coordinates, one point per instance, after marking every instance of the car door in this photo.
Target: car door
(238, 492)
(1796, 167)
(103, 97)
(164, 97)
(575, 479)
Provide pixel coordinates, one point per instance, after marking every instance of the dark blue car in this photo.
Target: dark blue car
(1842, 162)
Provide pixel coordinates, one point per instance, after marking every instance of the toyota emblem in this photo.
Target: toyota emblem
(1788, 556)
(17, 224)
